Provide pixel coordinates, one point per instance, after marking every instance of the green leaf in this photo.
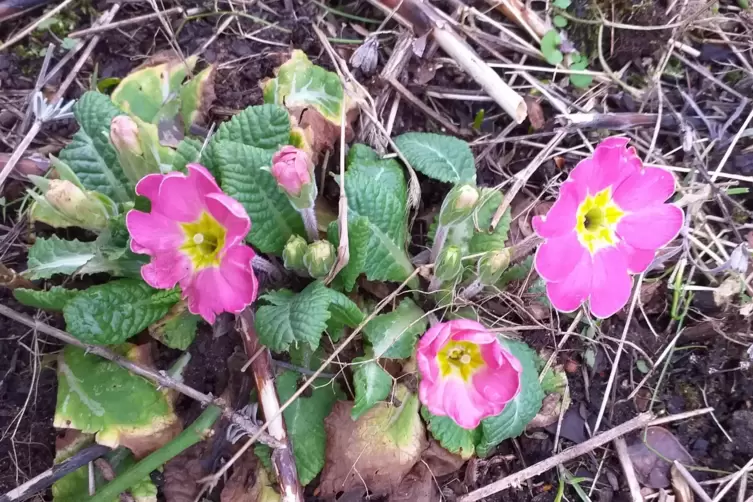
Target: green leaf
(394, 335)
(301, 84)
(112, 313)
(358, 242)
(450, 435)
(48, 257)
(521, 410)
(304, 419)
(562, 4)
(360, 153)
(343, 312)
(90, 154)
(482, 240)
(293, 317)
(550, 43)
(444, 158)
(580, 62)
(75, 486)
(378, 193)
(96, 396)
(187, 152)
(266, 127)
(517, 272)
(177, 329)
(53, 299)
(274, 218)
(372, 384)
(559, 21)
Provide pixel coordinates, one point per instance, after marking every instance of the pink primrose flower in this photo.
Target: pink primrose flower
(291, 167)
(607, 224)
(194, 235)
(466, 374)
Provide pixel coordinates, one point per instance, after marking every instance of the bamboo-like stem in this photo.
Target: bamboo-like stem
(196, 432)
(264, 376)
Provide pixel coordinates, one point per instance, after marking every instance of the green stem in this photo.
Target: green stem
(193, 434)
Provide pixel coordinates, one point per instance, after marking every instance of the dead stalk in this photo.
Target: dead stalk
(287, 475)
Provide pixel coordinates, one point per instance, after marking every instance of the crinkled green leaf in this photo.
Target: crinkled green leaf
(360, 153)
(344, 312)
(394, 335)
(517, 272)
(90, 154)
(358, 242)
(266, 127)
(302, 84)
(96, 396)
(304, 419)
(48, 257)
(450, 435)
(75, 486)
(378, 193)
(293, 318)
(112, 313)
(187, 152)
(444, 158)
(521, 410)
(274, 218)
(54, 298)
(372, 384)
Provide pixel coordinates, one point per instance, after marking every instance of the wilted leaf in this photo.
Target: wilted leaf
(99, 397)
(420, 485)
(379, 449)
(653, 458)
(249, 483)
(196, 96)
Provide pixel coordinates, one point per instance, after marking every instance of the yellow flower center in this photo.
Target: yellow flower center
(597, 220)
(461, 359)
(205, 238)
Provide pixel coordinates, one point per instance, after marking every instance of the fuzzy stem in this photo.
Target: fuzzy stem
(472, 290)
(439, 239)
(269, 268)
(434, 284)
(196, 432)
(309, 221)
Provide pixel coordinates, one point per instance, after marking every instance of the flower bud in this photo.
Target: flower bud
(124, 134)
(319, 258)
(458, 204)
(491, 265)
(293, 171)
(292, 254)
(449, 264)
(69, 205)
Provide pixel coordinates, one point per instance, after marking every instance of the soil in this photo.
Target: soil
(708, 367)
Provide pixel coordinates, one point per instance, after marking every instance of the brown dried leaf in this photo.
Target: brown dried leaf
(652, 469)
(535, 113)
(378, 449)
(249, 483)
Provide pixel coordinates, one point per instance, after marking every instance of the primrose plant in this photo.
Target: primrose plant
(189, 228)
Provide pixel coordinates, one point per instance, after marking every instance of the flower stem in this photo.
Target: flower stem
(261, 264)
(309, 221)
(439, 239)
(434, 284)
(472, 290)
(196, 432)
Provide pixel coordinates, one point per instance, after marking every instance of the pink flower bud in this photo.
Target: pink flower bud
(292, 169)
(124, 134)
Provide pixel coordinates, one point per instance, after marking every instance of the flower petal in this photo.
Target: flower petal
(610, 164)
(148, 186)
(611, 283)
(567, 296)
(561, 216)
(479, 337)
(427, 366)
(166, 269)
(463, 404)
(651, 228)
(439, 333)
(231, 287)
(183, 198)
(497, 386)
(638, 260)
(230, 214)
(649, 187)
(153, 233)
(431, 394)
(556, 258)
